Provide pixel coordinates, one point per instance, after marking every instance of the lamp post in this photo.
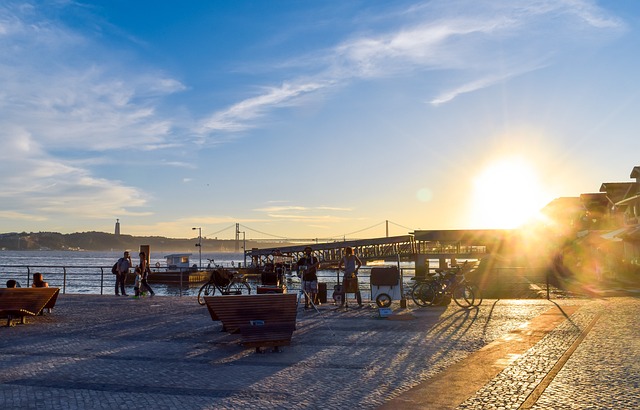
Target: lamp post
(199, 245)
(244, 249)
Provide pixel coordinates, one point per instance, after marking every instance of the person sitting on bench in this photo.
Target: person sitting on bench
(11, 283)
(38, 281)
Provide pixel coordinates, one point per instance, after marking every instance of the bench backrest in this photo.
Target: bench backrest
(240, 310)
(32, 300)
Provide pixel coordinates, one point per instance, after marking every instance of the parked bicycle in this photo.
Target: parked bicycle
(421, 292)
(225, 282)
(445, 285)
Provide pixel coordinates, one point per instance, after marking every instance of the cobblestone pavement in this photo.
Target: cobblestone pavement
(107, 352)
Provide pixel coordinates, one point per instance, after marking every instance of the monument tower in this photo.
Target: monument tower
(117, 233)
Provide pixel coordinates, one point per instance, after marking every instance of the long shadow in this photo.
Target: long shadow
(565, 314)
(489, 316)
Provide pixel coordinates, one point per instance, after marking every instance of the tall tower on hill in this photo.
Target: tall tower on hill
(117, 232)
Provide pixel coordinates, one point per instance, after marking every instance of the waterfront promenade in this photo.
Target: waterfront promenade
(107, 352)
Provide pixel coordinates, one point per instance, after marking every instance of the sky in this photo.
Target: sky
(310, 119)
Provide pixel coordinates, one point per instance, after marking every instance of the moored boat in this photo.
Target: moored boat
(177, 269)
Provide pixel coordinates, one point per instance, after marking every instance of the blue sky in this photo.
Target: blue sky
(318, 119)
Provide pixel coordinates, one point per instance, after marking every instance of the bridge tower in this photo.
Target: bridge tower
(237, 247)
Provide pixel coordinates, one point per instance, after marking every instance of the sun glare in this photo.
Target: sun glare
(507, 194)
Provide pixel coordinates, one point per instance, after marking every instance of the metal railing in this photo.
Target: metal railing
(507, 282)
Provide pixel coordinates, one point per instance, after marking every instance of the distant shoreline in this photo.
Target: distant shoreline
(102, 241)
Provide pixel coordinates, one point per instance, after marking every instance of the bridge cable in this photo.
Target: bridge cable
(401, 226)
(263, 233)
(222, 230)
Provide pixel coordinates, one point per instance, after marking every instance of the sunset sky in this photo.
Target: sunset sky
(310, 119)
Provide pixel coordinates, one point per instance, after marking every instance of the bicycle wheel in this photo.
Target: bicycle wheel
(206, 290)
(463, 295)
(423, 294)
(439, 298)
(477, 294)
(416, 295)
(239, 288)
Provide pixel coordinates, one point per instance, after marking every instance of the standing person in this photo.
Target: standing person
(38, 281)
(122, 268)
(351, 265)
(145, 270)
(308, 265)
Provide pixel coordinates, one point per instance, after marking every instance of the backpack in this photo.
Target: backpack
(114, 268)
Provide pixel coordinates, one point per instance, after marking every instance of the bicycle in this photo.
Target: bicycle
(226, 283)
(444, 285)
(422, 292)
(452, 284)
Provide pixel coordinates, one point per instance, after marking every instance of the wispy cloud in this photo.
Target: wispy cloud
(305, 214)
(242, 115)
(451, 35)
(61, 92)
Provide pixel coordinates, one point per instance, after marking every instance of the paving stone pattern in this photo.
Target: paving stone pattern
(107, 352)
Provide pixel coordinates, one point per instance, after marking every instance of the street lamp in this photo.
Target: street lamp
(199, 244)
(244, 249)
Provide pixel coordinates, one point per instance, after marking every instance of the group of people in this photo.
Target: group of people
(308, 270)
(142, 271)
(38, 282)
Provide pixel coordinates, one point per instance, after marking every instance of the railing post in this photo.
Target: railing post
(547, 279)
(64, 280)
(101, 280)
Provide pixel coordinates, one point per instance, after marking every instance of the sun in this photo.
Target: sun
(506, 194)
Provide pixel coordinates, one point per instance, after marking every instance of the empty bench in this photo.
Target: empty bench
(18, 303)
(262, 320)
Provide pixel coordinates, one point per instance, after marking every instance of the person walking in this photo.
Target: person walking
(122, 269)
(351, 265)
(145, 270)
(308, 266)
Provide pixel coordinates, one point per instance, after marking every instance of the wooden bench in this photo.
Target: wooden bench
(18, 303)
(264, 320)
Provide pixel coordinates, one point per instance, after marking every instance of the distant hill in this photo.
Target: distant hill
(101, 241)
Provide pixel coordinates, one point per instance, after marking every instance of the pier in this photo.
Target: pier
(419, 246)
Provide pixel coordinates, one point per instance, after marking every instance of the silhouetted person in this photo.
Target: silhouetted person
(351, 264)
(308, 268)
(38, 281)
(144, 269)
(122, 268)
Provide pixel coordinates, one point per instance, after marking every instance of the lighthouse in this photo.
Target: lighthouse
(117, 232)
